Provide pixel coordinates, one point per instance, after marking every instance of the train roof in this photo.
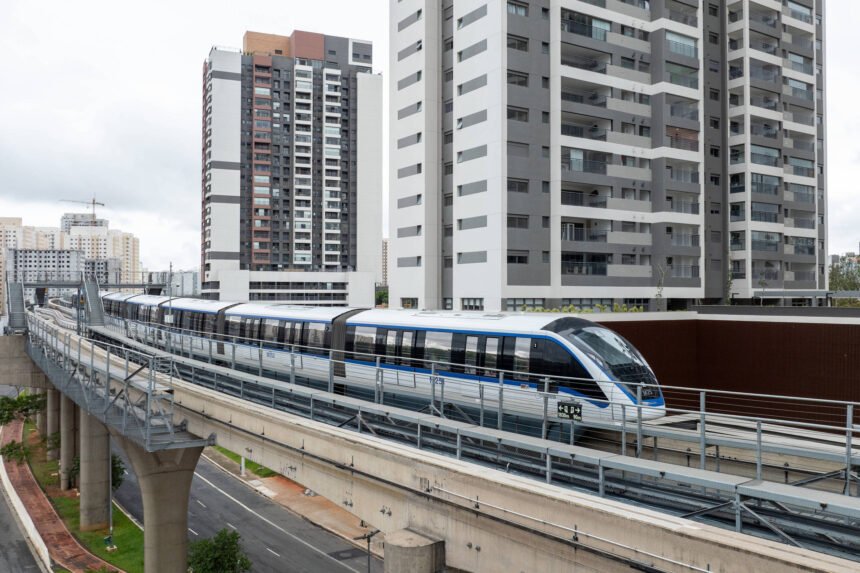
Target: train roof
(288, 311)
(148, 299)
(467, 320)
(198, 304)
(121, 296)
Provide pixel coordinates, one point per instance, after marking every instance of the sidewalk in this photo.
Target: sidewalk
(316, 509)
(62, 545)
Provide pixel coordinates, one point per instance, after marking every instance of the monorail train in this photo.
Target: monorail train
(577, 361)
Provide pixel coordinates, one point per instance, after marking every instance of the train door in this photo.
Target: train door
(338, 341)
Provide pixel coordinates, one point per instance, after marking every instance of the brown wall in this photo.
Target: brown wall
(783, 358)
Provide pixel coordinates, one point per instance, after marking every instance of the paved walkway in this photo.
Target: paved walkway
(316, 509)
(62, 545)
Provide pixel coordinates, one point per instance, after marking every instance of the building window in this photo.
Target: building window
(518, 9)
(518, 221)
(715, 179)
(448, 303)
(518, 79)
(714, 151)
(518, 114)
(714, 122)
(713, 37)
(518, 257)
(518, 43)
(518, 185)
(713, 10)
(515, 304)
(714, 94)
(409, 302)
(472, 304)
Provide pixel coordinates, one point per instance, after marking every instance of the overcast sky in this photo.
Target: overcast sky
(101, 99)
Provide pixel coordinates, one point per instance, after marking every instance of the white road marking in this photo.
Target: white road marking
(275, 525)
(272, 552)
(192, 531)
(203, 505)
(231, 526)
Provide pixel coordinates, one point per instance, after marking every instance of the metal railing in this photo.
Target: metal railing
(588, 98)
(576, 268)
(586, 132)
(684, 271)
(765, 245)
(685, 143)
(689, 207)
(690, 81)
(584, 165)
(569, 233)
(582, 29)
(682, 49)
(685, 240)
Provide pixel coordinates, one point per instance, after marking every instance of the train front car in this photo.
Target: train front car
(618, 367)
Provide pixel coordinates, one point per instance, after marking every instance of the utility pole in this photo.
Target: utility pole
(367, 536)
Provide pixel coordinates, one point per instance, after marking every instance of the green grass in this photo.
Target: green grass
(254, 468)
(126, 535)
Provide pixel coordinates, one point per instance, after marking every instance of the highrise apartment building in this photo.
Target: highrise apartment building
(70, 220)
(292, 170)
(102, 243)
(550, 153)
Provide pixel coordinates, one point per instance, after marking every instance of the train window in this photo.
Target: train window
(234, 325)
(316, 337)
(437, 347)
(209, 323)
(556, 361)
(522, 352)
(406, 343)
(364, 342)
(269, 331)
(471, 355)
(391, 347)
(379, 348)
(491, 356)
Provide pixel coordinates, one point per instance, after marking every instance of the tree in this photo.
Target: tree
(845, 276)
(22, 406)
(117, 471)
(220, 554)
(381, 296)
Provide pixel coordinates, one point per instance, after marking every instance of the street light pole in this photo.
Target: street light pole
(367, 536)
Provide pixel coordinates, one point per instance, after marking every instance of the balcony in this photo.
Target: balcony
(682, 49)
(684, 176)
(765, 75)
(586, 98)
(683, 143)
(800, 276)
(770, 103)
(765, 274)
(584, 166)
(582, 235)
(798, 15)
(687, 18)
(769, 19)
(764, 159)
(688, 207)
(584, 63)
(764, 188)
(685, 240)
(802, 171)
(764, 217)
(582, 29)
(628, 238)
(767, 131)
(685, 80)
(586, 132)
(575, 268)
(765, 246)
(684, 110)
(805, 118)
(806, 250)
(803, 223)
(805, 67)
(629, 271)
(799, 93)
(799, 197)
(684, 271)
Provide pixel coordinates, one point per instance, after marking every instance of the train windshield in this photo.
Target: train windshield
(615, 355)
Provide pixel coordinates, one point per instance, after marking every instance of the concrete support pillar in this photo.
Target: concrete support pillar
(42, 418)
(165, 486)
(52, 415)
(409, 552)
(95, 473)
(68, 409)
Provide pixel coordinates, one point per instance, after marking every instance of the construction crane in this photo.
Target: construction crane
(92, 203)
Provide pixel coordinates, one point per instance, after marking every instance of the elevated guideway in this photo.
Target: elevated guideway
(392, 467)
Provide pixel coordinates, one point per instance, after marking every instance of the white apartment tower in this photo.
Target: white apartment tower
(549, 153)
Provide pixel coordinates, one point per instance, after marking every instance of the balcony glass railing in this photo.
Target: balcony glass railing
(582, 29)
(685, 240)
(739, 274)
(688, 18)
(683, 143)
(688, 207)
(765, 188)
(684, 271)
(643, 4)
(737, 245)
(764, 131)
(804, 249)
(803, 171)
(684, 176)
(764, 217)
(580, 199)
(684, 110)
(769, 19)
(588, 64)
(572, 268)
(569, 233)
(765, 274)
(804, 197)
(800, 117)
(801, 93)
(584, 165)
(805, 67)
(804, 223)
(592, 99)
(586, 132)
(800, 15)
(764, 75)
(737, 188)
(682, 49)
(735, 73)
(683, 80)
(764, 159)
(804, 145)
(765, 47)
(765, 246)
(765, 102)
(804, 276)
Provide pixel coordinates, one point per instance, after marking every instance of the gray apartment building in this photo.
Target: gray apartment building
(553, 153)
(291, 170)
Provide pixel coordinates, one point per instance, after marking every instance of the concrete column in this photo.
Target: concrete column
(95, 473)
(165, 486)
(68, 409)
(52, 415)
(41, 418)
(409, 552)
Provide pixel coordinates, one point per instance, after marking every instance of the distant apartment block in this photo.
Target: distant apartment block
(70, 220)
(385, 262)
(23, 264)
(292, 171)
(547, 154)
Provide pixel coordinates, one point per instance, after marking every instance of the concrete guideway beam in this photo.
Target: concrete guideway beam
(16, 368)
(94, 474)
(165, 486)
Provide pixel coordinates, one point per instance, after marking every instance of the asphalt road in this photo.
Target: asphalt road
(275, 539)
(15, 554)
